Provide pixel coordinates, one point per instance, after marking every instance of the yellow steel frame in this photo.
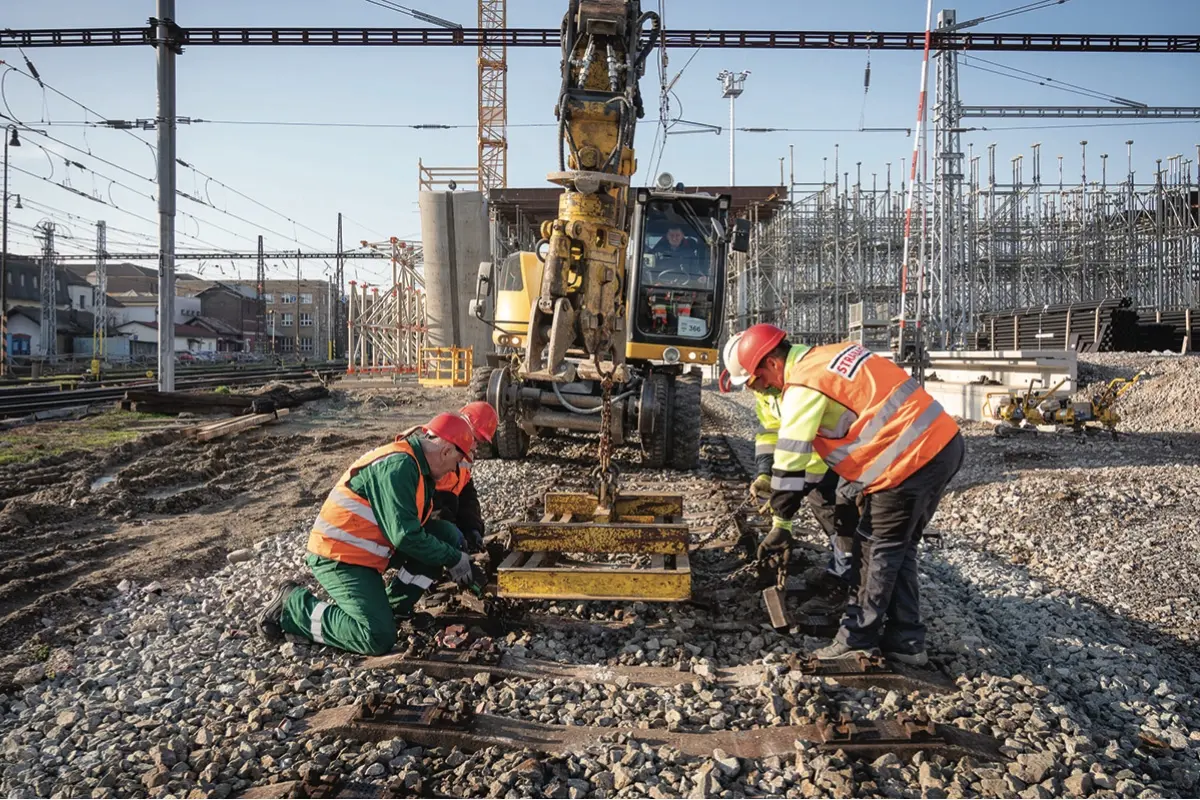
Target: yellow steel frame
(445, 366)
(647, 524)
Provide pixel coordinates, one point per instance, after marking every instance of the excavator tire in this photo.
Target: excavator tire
(511, 441)
(655, 445)
(477, 390)
(685, 423)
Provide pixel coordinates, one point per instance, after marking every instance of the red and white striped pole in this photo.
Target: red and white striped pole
(912, 178)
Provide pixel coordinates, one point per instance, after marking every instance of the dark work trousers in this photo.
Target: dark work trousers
(887, 610)
(838, 517)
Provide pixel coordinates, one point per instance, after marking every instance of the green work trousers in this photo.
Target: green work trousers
(360, 614)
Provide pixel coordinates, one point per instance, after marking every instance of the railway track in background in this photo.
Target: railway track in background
(18, 401)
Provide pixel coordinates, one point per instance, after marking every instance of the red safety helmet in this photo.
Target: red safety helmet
(483, 419)
(454, 429)
(757, 343)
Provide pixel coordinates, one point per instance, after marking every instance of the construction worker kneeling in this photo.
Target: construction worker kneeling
(377, 516)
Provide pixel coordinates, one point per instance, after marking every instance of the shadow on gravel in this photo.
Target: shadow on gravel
(1055, 451)
(1122, 688)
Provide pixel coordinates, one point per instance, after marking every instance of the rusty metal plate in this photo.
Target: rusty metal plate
(775, 600)
(903, 736)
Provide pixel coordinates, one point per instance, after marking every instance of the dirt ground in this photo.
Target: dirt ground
(144, 503)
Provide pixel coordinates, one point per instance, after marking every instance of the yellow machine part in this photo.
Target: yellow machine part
(654, 352)
(513, 304)
(542, 576)
(647, 524)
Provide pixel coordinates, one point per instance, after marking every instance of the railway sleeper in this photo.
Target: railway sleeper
(439, 726)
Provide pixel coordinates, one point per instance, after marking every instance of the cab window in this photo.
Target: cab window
(511, 279)
(675, 291)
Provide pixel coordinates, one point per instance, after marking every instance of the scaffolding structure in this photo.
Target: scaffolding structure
(987, 237)
(1022, 238)
(832, 245)
(386, 330)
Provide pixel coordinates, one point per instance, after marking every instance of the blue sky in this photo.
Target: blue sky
(310, 174)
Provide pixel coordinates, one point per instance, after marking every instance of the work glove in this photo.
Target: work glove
(779, 540)
(761, 488)
(478, 580)
(460, 572)
(474, 541)
(461, 541)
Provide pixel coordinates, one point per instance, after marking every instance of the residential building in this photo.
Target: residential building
(297, 315)
(126, 277)
(234, 307)
(73, 305)
(143, 307)
(144, 338)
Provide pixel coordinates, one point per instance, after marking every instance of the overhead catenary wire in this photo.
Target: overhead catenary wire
(153, 150)
(1038, 80)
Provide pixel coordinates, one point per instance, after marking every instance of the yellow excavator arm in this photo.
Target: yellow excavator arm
(581, 302)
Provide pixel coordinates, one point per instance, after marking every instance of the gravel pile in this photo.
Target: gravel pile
(1167, 398)
(171, 693)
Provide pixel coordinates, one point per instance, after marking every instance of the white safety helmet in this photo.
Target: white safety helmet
(738, 376)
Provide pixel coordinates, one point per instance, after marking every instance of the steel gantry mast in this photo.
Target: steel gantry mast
(952, 296)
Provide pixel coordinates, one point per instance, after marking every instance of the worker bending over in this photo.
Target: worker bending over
(837, 516)
(859, 414)
(455, 499)
(379, 515)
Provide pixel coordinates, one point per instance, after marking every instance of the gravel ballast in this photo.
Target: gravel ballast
(1061, 604)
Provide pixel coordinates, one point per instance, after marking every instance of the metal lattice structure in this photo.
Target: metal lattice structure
(493, 98)
(386, 330)
(834, 244)
(49, 330)
(1023, 237)
(100, 293)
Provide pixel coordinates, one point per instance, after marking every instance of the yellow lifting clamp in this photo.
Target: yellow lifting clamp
(648, 527)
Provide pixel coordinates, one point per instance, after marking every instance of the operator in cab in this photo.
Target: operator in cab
(847, 409)
(676, 244)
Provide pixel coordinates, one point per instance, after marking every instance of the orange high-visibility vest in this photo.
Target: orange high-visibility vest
(454, 481)
(346, 529)
(899, 426)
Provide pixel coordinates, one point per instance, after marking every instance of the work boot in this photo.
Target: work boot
(270, 621)
(839, 650)
(911, 652)
(821, 581)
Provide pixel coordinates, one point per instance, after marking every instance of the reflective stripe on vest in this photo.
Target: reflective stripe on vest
(898, 426)
(346, 529)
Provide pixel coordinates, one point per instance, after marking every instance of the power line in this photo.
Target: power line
(1042, 80)
(154, 150)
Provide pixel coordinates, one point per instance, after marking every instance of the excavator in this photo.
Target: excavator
(603, 328)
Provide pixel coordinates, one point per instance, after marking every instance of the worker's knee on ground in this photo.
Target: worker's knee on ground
(381, 636)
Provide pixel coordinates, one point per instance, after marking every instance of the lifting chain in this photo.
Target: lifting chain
(607, 473)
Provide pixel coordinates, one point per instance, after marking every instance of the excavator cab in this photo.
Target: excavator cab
(676, 276)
